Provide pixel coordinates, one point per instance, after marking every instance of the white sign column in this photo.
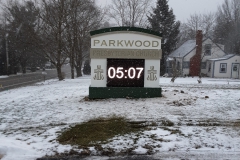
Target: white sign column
(98, 72)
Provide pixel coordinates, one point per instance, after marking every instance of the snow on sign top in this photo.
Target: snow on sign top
(114, 29)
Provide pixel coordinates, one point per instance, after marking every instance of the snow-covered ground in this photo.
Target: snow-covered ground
(3, 76)
(206, 118)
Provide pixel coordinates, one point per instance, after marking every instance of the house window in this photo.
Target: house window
(207, 49)
(186, 64)
(223, 67)
(204, 65)
(169, 64)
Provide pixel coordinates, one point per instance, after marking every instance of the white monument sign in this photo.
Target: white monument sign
(125, 60)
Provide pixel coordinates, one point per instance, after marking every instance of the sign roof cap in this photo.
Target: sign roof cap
(114, 29)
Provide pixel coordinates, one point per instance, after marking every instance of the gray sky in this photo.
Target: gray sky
(184, 8)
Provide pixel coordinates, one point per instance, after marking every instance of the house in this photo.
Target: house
(191, 57)
(224, 67)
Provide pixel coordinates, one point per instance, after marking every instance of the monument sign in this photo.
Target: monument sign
(125, 62)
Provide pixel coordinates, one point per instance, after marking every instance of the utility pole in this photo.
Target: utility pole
(7, 52)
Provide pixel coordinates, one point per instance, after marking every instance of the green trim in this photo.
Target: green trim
(114, 29)
(123, 92)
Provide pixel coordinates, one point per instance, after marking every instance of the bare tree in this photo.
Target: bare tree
(204, 22)
(130, 12)
(83, 16)
(228, 26)
(53, 25)
(175, 70)
(63, 28)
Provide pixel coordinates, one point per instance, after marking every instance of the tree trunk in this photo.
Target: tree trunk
(78, 65)
(15, 69)
(59, 72)
(200, 73)
(79, 70)
(175, 72)
(23, 65)
(72, 65)
(23, 69)
(72, 72)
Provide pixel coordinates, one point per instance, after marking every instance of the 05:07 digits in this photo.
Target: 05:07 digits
(118, 72)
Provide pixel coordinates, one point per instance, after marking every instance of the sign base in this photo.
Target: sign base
(123, 92)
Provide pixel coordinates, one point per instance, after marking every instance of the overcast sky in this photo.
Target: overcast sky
(184, 8)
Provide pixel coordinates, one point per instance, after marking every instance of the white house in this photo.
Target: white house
(224, 67)
(193, 55)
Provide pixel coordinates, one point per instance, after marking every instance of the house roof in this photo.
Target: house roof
(223, 58)
(170, 59)
(184, 49)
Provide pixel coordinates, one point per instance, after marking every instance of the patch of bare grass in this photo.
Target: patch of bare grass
(236, 124)
(96, 131)
(173, 131)
(167, 122)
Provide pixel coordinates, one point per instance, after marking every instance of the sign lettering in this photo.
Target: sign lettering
(125, 43)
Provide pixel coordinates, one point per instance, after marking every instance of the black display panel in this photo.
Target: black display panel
(125, 72)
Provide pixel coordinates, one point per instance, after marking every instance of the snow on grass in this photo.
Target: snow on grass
(3, 77)
(203, 115)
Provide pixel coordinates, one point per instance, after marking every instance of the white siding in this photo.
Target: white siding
(185, 72)
(216, 52)
(229, 62)
(217, 72)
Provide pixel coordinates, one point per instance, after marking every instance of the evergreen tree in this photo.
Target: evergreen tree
(163, 20)
(22, 21)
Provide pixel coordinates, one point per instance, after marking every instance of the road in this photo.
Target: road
(14, 81)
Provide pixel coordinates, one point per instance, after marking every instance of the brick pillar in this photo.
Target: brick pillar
(195, 61)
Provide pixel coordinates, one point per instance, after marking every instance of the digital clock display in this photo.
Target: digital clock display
(125, 72)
